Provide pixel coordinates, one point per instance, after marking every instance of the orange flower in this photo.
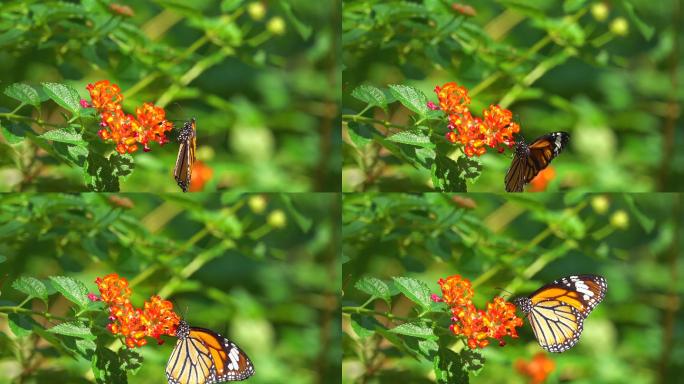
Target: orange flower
(105, 95)
(134, 324)
(476, 325)
(495, 130)
(452, 98)
(201, 174)
(542, 180)
(127, 131)
(152, 118)
(538, 369)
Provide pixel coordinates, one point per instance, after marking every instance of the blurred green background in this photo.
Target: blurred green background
(609, 73)
(519, 244)
(259, 77)
(263, 270)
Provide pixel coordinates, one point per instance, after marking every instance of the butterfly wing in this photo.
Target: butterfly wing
(530, 159)
(204, 356)
(182, 172)
(515, 180)
(558, 310)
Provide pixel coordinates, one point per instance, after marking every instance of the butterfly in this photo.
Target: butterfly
(556, 311)
(202, 356)
(186, 155)
(531, 158)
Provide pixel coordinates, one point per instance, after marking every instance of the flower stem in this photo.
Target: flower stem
(364, 119)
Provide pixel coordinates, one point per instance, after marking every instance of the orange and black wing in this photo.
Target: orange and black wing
(182, 172)
(531, 158)
(556, 311)
(203, 356)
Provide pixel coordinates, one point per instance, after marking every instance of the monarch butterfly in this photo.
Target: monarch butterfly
(186, 155)
(202, 356)
(556, 311)
(532, 158)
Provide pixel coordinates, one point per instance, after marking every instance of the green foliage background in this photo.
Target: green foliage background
(261, 92)
(516, 244)
(554, 64)
(263, 270)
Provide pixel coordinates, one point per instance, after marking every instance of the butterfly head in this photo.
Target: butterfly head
(183, 330)
(523, 303)
(521, 147)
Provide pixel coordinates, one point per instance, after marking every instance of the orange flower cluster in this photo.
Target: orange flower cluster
(155, 319)
(497, 321)
(538, 369)
(127, 131)
(495, 130)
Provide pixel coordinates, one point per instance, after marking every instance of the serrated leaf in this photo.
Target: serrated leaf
(374, 287)
(410, 97)
(31, 286)
(73, 290)
(414, 329)
(415, 290)
(86, 347)
(64, 135)
(428, 347)
(74, 329)
(64, 95)
(413, 137)
(370, 95)
(23, 93)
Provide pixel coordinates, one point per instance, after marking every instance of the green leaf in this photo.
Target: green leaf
(370, 95)
(64, 135)
(374, 287)
(24, 93)
(230, 5)
(413, 137)
(20, 324)
(415, 330)
(451, 176)
(15, 131)
(428, 347)
(360, 134)
(570, 6)
(31, 286)
(410, 97)
(102, 174)
(364, 326)
(74, 329)
(64, 95)
(416, 290)
(73, 290)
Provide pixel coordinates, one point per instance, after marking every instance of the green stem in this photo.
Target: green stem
(364, 311)
(145, 81)
(363, 119)
(47, 315)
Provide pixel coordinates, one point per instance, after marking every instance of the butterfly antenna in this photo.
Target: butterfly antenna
(501, 289)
